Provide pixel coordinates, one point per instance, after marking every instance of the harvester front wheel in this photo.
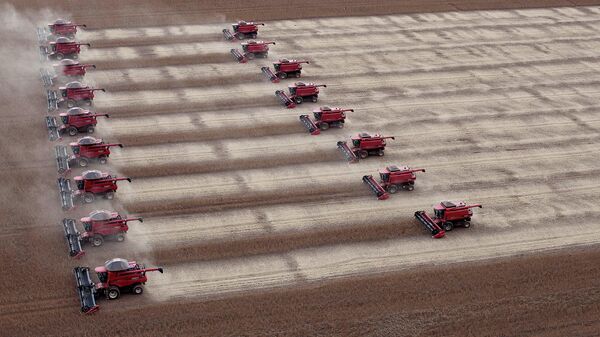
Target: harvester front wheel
(314, 99)
(241, 36)
(298, 100)
(137, 290)
(103, 160)
(88, 197)
(363, 154)
(120, 237)
(250, 56)
(467, 224)
(90, 129)
(380, 152)
(113, 293)
(60, 56)
(283, 75)
(71, 103)
(392, 189)
(73, 131)
(110, 195)
(324, 126)
(448, 226)
(83, 162)
(97, 240)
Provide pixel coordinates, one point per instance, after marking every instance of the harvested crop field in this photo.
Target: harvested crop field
(263, 229)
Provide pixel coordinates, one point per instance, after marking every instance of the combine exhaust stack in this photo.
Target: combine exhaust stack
(241, 58)
(377, 189)
(47, 77)
(72, 236)
(348, 153)
(66, 194)
(62, 159)
(285, 99)
(52, 125)
(86, 290)
(52, 100)
(430, 225)
(310, 125)
(271, 76)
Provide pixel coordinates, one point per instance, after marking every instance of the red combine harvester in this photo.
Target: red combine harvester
(447, 215)
(393, 179)
(325, 117)
(98, 225)
(89, 185)
(364, 145)
(251, 50)
(62, 48)
(66, 68)
(74, 121)
(283, 69)
(299, 92)
(242, 30)
(59, 27)
(73, 93)
(85, 150)
(116, 276)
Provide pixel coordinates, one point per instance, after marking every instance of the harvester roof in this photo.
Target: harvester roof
(68, 62)
(63, 39)
(76, 111)
(395, 168)
(92, 174)
(75, 84)
(364, 135)
(325, 108)
(60, 22)
(448, 204)
(116, 264)
(88, 140)
(101, 214)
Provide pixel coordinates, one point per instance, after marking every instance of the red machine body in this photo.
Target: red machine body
(393, 179)
(447, 215)
(68, 67)
(299, 92)
(98, 226)
(63, 47)
(364, 145)
(75, 92)
(325, 117)
(92, 183)
(89, 148)
(243, 30)
(251, 50)
(284, 68)
(64, 28)
(116, 276)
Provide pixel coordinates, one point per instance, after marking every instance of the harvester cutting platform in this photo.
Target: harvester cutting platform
(85, 150)
(90, 184)
(393, 179)
(251, 50)
(66, 68)
(62, 48)
(98, 226)
(363, 145)
(242, 30)
(447, 216)
(284, 68)
(299, 92)
(116, 276)
(325, 117)
(72, 94)
(74, 121)
(60, 27)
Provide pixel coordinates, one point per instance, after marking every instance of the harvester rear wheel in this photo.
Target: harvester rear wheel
(392, 189)
(448, 226)
(113, 293)
(97, 240)
(103, 160)
(324, 126)
(73, 131)
(83, 162)
(467, 224)
(363, 154)
(88, 197)
(137, 290)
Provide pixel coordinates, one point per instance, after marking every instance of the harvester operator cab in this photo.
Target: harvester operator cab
(356, 141)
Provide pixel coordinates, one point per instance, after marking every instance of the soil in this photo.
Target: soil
(263, 229)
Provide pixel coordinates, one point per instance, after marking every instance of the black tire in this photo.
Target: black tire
(112, 293)
(71, 103)
(362, 154)
(283, 75)
(90, 129)
(88, 102)
(241, 36)
(59, 56)
(250, 56)
(392, 189)
(314, 99)
(137, 289)
(410, 187)
(298, 100)
(298, 74)
(448, 226)
(110, 195)
(253, 36)
(380, 152)
(97, 240)
(324, 126)
(72, 131)
(103, 160)
(75, 56)
(88, 198)
(83, 162)
(467, 224)
(120, 237)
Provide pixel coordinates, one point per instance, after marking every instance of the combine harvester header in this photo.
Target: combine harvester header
(447, 215)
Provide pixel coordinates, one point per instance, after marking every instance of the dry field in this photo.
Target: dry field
(261, 224)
